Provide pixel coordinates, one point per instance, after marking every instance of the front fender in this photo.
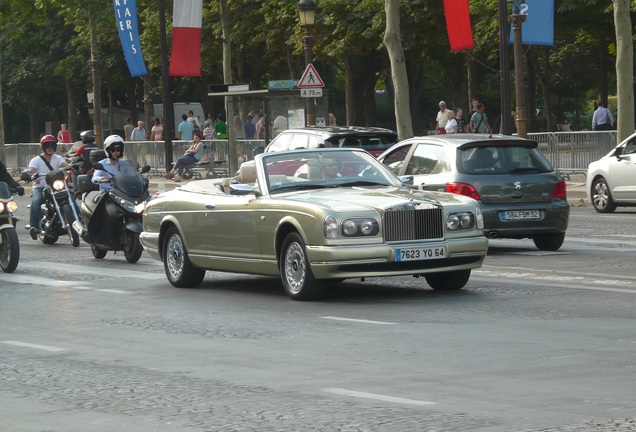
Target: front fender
(134, 226)
(6, 226)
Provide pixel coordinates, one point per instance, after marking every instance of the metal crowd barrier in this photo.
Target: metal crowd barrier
(215, 160)
(566, 151)
(574, 151)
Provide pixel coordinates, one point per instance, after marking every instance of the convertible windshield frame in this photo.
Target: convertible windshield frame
(302, 170)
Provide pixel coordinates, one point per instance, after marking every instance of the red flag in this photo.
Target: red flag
(460, 33)
(186, 38)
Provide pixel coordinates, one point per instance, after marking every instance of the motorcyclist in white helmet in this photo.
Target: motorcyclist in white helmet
(114, 147)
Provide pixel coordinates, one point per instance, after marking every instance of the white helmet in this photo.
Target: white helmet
(114, 142)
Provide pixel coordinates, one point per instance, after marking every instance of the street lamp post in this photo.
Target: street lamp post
(307, 10)
(516, 18)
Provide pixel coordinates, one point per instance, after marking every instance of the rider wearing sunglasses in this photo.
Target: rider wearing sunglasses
(114, 146)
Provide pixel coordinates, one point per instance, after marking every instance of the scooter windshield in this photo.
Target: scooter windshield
(128, 181)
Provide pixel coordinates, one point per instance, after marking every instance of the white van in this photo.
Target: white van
(181, 108)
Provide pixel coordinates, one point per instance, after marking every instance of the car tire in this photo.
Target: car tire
(601, 196)
(448, 281)
(179, 270)
(296, 274)
(549, 242)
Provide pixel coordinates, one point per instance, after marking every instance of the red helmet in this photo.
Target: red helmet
(48, 141)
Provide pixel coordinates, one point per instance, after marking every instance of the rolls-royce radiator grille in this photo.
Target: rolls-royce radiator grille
(405, 225)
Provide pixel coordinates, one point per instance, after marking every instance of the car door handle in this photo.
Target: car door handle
(210, 206)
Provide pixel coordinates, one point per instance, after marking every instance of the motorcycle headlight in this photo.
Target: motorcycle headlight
(1, 207)
(58, 185)
(360, 227)
(12, 206)
(460, 221)
(126, 205)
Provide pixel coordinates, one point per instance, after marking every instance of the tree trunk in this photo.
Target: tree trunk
(624, 69)
(71, 106)
(393, 43)
(354, 91)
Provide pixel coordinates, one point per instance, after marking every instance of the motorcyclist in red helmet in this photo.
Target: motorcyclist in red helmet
(45, 162)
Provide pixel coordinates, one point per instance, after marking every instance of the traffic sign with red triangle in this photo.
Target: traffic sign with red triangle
(310, 78)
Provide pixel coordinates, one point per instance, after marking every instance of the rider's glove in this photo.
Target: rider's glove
(19, 190)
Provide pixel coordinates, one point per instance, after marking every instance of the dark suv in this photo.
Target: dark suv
(372, 139)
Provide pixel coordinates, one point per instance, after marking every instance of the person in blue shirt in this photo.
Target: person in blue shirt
(185, 129)
(114, 147)
(191, 156)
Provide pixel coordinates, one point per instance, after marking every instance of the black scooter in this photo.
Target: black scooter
(113, 217)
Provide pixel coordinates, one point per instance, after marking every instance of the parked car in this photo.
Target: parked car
(611, 180)
(520, 193)
(313, 217)
(372, 139)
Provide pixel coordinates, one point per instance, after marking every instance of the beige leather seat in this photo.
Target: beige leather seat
(247, 174)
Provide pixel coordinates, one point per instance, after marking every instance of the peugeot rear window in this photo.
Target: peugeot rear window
(502, 159)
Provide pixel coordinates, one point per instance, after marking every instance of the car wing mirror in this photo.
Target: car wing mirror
(407, 180)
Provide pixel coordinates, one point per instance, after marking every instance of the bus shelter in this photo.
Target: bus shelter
(269, 103)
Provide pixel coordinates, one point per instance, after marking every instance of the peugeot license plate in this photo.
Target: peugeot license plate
(420, 253)
(521, 214)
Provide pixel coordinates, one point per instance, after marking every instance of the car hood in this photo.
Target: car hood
(357, 199)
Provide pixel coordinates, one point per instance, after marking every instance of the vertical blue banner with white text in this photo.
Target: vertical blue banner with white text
(538, 28)
(126, 18)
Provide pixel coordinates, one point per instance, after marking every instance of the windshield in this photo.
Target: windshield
(502, 159)
(316, 169)
(128, 180)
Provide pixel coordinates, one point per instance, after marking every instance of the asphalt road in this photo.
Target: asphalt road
(537, 341)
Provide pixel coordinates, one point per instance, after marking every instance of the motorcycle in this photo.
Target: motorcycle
(59, 210)
(9, 245)
(113, 217)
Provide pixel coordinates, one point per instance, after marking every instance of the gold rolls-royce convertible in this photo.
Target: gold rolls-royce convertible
(312, 217)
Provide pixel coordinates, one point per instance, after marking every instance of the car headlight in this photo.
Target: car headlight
(331, 227)
(12, 206)
(58, 185)
(460, 221)
(360, 227)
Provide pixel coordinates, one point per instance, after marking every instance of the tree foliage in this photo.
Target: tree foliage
(46, 63)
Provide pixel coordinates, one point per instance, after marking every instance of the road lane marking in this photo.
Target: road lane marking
(99, 271)
(379, 397)
(530, 279)
(359, 320)
(114, 291)
(19, 278)
(35, 346)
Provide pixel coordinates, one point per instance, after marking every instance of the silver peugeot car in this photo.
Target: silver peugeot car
(521, 195)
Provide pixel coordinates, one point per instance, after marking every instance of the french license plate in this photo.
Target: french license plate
(521, 214)
(420, 253)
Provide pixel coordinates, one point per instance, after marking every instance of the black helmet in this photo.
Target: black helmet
(87, 137)
(112, 142)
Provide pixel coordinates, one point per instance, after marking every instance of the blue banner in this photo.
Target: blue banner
(538, 28)
(126, 18)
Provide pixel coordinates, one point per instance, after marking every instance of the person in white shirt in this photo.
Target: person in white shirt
(138, 133)
(451, 125)
(46, 162)
(602, 118)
